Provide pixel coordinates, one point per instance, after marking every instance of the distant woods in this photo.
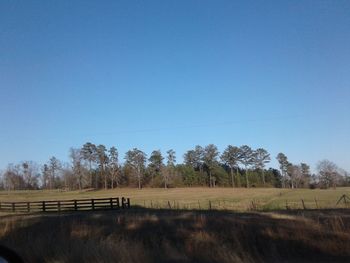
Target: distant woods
(99, 167)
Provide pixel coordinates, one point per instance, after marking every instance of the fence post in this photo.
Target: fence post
(169, 205)
(123, 202)
(28, 207)
(59, 206)
(75, 205)
(302, 201)
(13, 207)
(209, 205)
(111, 202)
(44, 208)
(118, 205)
(128, 202)
(93, 204)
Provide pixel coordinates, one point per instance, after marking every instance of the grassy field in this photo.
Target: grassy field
(239, 199)
(146, 233)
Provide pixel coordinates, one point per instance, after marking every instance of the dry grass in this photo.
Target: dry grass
(184, 235)
(239, 199)
(145, 235)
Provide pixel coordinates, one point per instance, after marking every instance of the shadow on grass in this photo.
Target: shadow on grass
(152, 235)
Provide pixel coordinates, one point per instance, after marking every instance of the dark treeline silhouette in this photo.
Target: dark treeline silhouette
(95, 166)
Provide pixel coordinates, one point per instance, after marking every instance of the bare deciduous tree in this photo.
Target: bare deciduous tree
(77, 166)
(54, 167)
(328, 173)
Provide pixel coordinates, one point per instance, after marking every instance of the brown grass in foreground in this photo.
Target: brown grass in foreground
(144, 235)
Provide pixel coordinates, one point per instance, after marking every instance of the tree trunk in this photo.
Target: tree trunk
(96, 180)
(246, 176)
(91, 182)
(51, 180)
(139, 178)
(232, 181)
(210, 184)
(263, 176)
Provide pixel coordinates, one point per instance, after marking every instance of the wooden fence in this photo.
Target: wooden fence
(246, 205)
(66, 205)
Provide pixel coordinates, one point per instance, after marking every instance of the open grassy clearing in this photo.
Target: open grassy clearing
(239, 199)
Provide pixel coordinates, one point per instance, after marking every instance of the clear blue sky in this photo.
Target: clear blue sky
(173, 74)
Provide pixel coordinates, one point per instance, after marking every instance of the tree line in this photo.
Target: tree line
(95, 166)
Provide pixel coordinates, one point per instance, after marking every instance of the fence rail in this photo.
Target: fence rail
(66, 205)
(247, 205)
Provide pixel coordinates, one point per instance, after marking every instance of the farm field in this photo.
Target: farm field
(229, 232)
(237, 199)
